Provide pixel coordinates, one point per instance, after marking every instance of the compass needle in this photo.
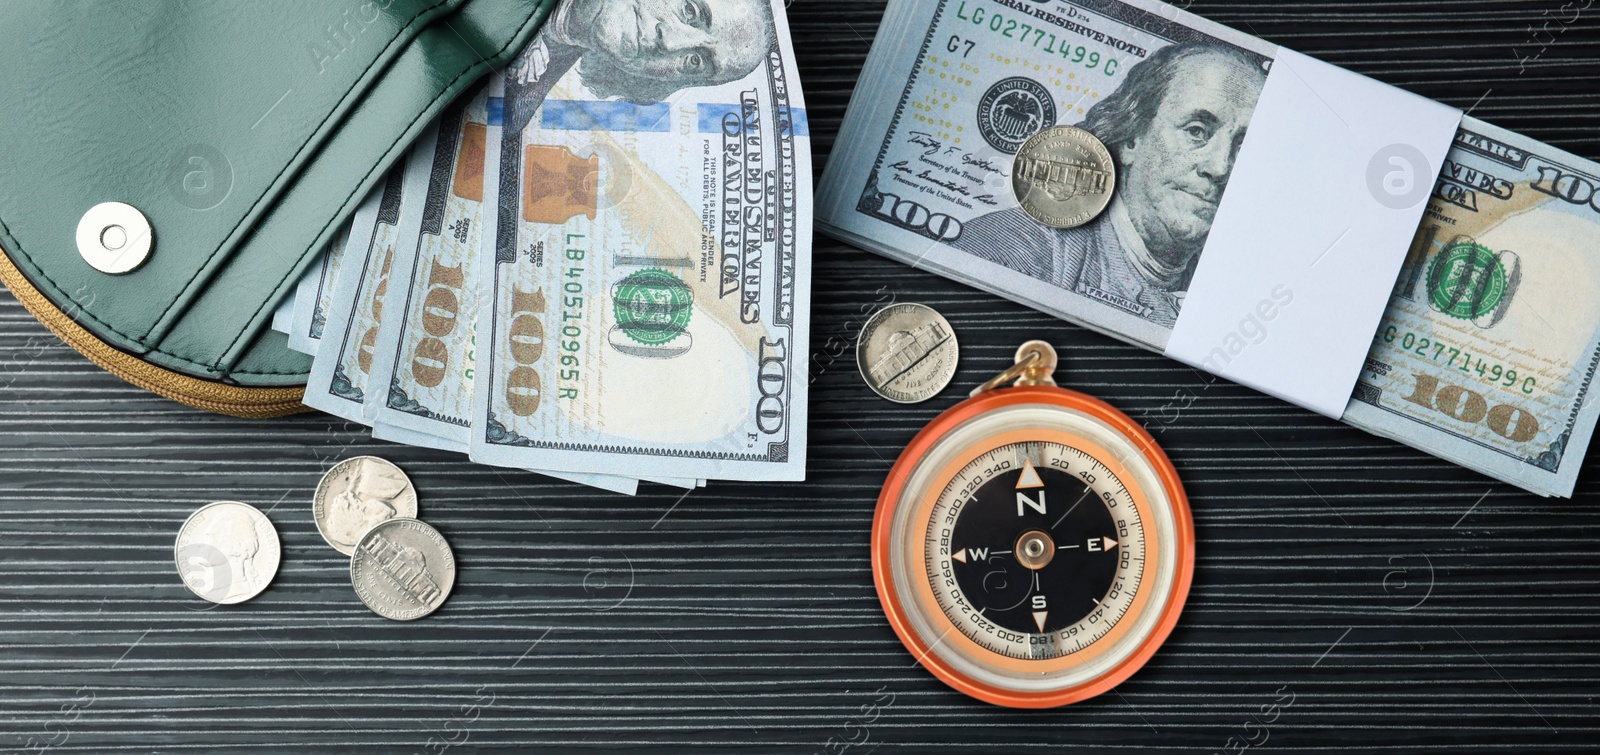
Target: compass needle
(1086, 492)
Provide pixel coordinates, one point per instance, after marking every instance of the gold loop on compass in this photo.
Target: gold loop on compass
(1035, 361)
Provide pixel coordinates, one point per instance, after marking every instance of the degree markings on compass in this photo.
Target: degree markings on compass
(1034, 457)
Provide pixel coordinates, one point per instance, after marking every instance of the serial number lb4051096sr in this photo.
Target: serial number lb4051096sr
(1033, 546)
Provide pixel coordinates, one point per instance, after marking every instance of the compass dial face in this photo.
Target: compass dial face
(1046, 552)
(1033, 547)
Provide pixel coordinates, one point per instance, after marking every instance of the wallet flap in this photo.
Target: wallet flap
(207, 117)
(445, 60)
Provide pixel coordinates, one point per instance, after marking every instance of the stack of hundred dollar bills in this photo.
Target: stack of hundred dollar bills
(597, 266)
(1488, 348)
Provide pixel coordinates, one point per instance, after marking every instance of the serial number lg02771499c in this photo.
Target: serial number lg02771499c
(1011, 28)
(1490, 372)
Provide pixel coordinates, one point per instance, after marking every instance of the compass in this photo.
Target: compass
(1033, 546)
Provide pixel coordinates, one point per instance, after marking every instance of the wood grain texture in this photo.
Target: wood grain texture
(1405, 604)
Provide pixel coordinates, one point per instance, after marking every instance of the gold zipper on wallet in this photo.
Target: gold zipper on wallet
(233, 400)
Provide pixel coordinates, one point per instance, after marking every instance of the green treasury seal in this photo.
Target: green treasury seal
(1467, 281)
(652, 306)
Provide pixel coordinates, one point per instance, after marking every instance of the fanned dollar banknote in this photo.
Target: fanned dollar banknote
(424, 349)
(313, 296)
(1489, 346)
(312, 289)
(340, 375)
(612, 240)
(426, 357)
(644, 299)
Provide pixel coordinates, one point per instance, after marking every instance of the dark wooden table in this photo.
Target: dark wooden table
(1380, 598)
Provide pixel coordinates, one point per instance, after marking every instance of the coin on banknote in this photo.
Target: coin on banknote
(907, 353)
(357, 494)
(1063, 177)
(227, 552)
(403, 569)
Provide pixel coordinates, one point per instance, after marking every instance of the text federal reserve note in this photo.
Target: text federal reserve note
(644, 298)
(1488, 351)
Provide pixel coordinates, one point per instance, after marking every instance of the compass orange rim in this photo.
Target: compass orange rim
(1152, 544)
(894, 487)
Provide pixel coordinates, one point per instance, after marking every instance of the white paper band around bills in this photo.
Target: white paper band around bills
(1325, 197)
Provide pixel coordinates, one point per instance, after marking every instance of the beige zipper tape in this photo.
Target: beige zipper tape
(212, 396)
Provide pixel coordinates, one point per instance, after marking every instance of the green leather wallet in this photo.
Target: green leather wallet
(169, 168)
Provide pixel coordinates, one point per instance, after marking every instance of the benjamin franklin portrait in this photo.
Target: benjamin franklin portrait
(640, 51)
(1174, 128)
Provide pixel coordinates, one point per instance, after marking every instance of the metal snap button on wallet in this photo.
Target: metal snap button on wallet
(114, 238)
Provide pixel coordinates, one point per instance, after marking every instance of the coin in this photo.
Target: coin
(907, 353)
(227, 552)
(357, 494)
(403, 569)
(1063, 177)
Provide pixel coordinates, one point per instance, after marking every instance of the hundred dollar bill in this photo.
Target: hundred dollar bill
(424, 350)
(922, 167)
(425, 359)
(311, 288)
(313, 297)
(608, 482)
(611, 483)
(1487, 353)
(645, 293)
(339, 374)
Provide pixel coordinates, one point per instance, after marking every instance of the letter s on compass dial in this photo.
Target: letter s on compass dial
(1033, 547)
